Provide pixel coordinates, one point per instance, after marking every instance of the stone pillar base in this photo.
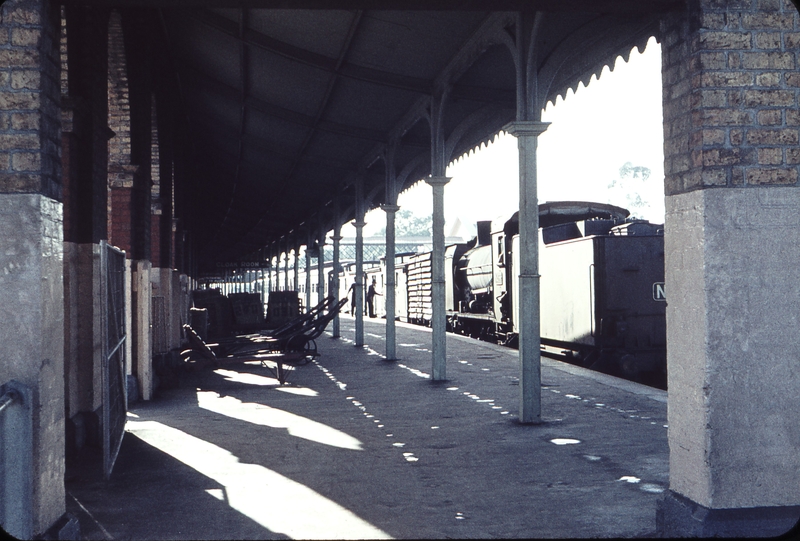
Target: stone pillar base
(66, 528)
(678, 516)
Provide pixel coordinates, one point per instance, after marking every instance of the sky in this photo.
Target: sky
(614, 120)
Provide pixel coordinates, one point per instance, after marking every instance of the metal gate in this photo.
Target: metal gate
(112, 268)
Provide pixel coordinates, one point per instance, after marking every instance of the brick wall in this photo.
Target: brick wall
(121, 172)
(731, 94)
(156, 212)
(120, 230)
(29, 99)
(31, 336)
(119, 146)
(138, 37)
(155, 239)
(731, 135)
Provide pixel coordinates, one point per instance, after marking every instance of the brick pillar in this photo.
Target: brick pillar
(85, 133)
(121, 172)
(120, 194)
(731, 133)
(155, 239)
(31, 283)
(123, 214)
(161, 217)
(129, 183)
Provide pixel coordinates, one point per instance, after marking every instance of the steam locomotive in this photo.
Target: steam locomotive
(602, 303)
(602, 299)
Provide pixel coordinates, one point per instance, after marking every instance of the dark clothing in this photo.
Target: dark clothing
(370, 300)
(352, 294)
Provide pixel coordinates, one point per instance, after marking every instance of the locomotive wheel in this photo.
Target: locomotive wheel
(590, 359)
(606, 362)
(629, 366)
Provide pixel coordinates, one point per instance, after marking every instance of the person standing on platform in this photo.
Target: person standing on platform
(352, 294)
(371, 298)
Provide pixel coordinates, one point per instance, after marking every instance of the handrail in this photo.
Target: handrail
(10, 396)
(16, 459)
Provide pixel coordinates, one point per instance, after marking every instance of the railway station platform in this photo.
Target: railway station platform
(360, 447)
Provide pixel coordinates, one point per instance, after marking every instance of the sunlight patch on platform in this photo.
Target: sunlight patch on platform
(276, 502)
(244, 377)
(301, 391)
(258, 414)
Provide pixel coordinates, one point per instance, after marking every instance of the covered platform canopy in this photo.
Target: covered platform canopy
(189, 133)
(282, 110)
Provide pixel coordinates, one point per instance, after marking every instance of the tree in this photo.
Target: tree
(627, 190)
(407, 224)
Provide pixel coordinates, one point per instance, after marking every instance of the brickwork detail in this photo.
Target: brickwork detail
(121, 172)
(155, 239)
(119, 111)
(155, 173)
(121, 230)
(156, 217)
(731, 88)
(30, 136)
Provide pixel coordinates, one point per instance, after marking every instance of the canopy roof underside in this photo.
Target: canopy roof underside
(286, 108)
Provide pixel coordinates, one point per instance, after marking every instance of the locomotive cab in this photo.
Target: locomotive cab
(503, 231)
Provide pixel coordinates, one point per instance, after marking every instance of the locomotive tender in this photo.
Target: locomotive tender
(602, 302)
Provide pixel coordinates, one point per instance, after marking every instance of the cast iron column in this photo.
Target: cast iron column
(286, 266)
(337, 237)
(269, 278)
(391, 340)
(358, 293)
(527, 133)
(296, 268)
(321, 266)
(439, 317)
(308, 274)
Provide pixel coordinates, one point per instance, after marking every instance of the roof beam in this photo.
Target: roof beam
(324, 63)
(590, 6)
(300, 119)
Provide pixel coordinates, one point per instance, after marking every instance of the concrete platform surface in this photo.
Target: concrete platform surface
(360, 447)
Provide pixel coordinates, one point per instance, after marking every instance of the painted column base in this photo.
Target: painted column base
(678, 516)
(132, 389)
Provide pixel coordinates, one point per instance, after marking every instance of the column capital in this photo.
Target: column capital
(526, 128)
(437, 181)
(390, 208)
(336, 238)
(358, 224)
